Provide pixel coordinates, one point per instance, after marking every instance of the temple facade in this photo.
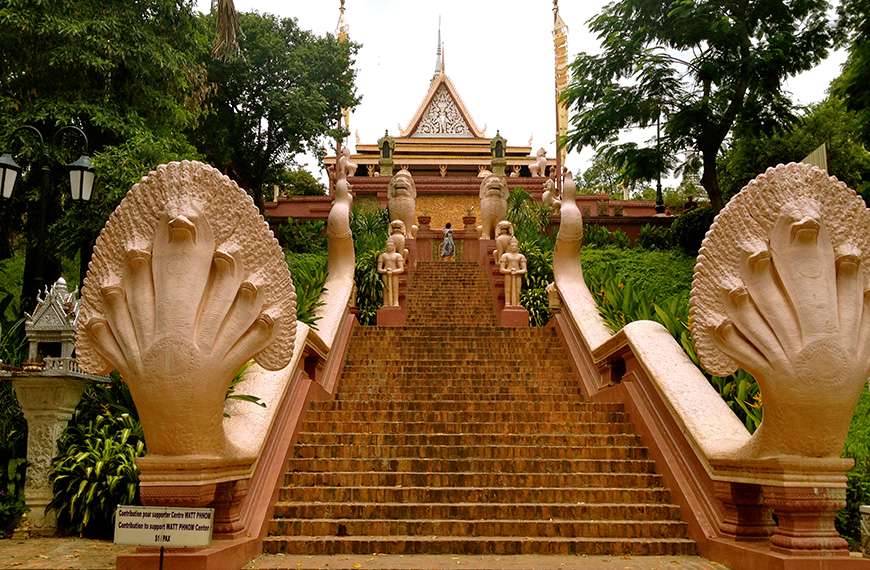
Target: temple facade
(447, 153)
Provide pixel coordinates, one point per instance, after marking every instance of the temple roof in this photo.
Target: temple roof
(442, 113)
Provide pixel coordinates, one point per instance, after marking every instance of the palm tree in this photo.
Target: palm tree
(226, 44)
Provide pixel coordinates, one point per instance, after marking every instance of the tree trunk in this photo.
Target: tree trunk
(710, 180)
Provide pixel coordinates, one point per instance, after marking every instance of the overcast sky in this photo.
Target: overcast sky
(499, 54)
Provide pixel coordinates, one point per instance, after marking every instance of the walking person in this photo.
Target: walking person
(448, 248)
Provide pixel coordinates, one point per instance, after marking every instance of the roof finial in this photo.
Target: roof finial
(342, 24)
(439, 54)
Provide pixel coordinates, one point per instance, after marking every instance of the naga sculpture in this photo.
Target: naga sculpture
(402, 199)
(504, 233)
(782, 289)
(391, 264)
(512, 264)
(493, 204)
(551, 195)
(539, 166)
(186, 284)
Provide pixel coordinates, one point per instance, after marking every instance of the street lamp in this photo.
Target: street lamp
(81, 172)
(9, 170)
(81, 177)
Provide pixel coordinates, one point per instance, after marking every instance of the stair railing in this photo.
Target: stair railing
(727, 481)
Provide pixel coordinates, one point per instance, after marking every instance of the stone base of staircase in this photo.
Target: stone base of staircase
(391, 317)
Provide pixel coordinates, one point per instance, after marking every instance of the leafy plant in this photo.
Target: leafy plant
(234, 383)
(95, 472)
(858, 479)
(690, 228)
(599, 236)
(95, 469)
(655, 237)
(13, 449)
(309, 272)
(531, 222)
(370, 228)
(302, 236)
(623, 297)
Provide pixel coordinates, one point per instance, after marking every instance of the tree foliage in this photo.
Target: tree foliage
(119, 70)
(281, 96)
(702, 66)
(827, 122)
(851, 86)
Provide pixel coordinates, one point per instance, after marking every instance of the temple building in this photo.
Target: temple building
(446, 153)
(444, 150)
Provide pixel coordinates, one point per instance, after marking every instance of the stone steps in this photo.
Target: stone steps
(471, 511)
(478, 465)
(606, 528)
(314, 545)
(466, 479)
(453, 436)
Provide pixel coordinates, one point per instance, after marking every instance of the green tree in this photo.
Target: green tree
(827, 122)
(299, 183)
(117, 69)
(701, 66)
(851, 86)
(280, 97)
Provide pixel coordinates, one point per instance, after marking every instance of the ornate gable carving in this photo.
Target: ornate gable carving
(442, 117)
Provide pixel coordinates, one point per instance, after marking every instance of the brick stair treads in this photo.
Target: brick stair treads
(452, 435)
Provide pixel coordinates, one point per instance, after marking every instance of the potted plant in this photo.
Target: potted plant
(469, 218)
(424, 219)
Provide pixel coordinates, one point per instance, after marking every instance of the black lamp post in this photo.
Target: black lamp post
(81, 173)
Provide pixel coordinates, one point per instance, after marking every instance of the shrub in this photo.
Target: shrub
(309, 272)
(858, 482)
(531, 222)
(95, 469)
(370, 228)
(13, 450)
(302, 236)
(633, 285)
(690, 228)
(599, 236)
(655, 238)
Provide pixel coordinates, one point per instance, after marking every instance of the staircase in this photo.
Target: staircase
(454, 436)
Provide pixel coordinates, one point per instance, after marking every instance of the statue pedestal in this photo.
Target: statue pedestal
(514, 317)
(48, 404)
(391, 317)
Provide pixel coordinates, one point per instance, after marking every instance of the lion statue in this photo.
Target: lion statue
(493, 204)
(402, 200)
(539, 166)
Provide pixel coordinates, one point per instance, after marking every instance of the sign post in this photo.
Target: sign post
(163, 526)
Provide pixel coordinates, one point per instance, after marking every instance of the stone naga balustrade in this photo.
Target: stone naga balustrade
(781, 289)
(187, 284)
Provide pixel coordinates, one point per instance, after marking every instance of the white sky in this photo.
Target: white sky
(498, 53)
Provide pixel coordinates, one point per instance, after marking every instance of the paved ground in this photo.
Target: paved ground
(82, 554)
(57, 553)
(535, 562)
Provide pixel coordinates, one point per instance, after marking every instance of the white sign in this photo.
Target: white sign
(163, 526)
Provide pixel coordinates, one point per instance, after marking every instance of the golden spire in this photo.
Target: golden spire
(560, 46)
(342, 38)
(342, 25)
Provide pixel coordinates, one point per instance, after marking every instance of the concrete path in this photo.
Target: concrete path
(520, 562)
